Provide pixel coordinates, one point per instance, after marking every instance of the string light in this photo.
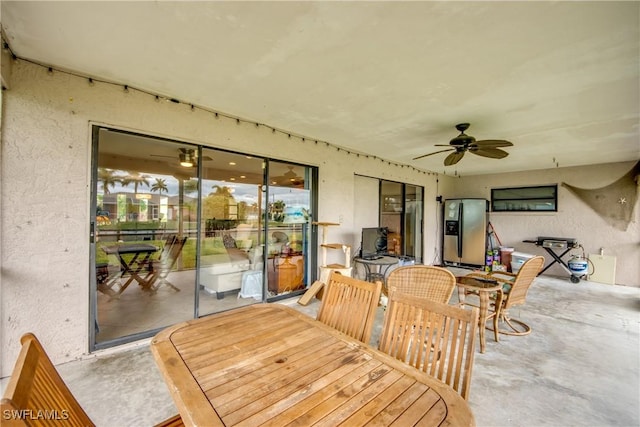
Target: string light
(193, 107)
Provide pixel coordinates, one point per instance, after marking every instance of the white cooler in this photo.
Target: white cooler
(517, 259)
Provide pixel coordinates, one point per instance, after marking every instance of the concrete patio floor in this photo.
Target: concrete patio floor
(579, 367)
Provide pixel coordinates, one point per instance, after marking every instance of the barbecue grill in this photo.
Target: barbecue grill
(553, 244)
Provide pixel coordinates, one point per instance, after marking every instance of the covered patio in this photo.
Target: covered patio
(579, 366)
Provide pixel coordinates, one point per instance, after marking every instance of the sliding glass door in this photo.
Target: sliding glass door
(288, 226)
(144, 234)
(401, 210)
(180, 231)
(231, 231)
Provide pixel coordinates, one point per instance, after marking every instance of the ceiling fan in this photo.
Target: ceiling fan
(289, 178)
(463, 142)
(186, 156)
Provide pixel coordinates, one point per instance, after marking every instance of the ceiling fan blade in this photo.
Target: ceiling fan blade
(492, 143)
(431, 154)
(453, 158)
(492, 153)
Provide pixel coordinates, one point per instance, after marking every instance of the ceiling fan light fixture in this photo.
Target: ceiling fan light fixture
(186, 159)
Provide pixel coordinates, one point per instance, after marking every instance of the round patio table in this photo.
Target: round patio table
(483, 288)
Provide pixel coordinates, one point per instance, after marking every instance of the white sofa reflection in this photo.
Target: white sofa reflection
(226, 270)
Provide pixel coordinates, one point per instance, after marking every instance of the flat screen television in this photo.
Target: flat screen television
(374, 241)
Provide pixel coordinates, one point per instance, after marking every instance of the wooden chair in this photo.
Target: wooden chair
(423, 281)
(159, 269)
(36, 395)
(435, 338)
(349, 305)
(515, 288)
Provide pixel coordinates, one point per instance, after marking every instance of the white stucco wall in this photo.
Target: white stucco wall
(573, 219)
(46, 196)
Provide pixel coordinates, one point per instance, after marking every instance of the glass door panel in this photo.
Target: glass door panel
(288, 241)
(401, 210)
(144, 235)
(232, 231)
(392, 209)
(413, 222)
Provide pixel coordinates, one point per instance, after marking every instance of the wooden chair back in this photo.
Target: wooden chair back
(423, 281)
(436, 338)
(36, 395)
(161, 268)
(171, 251)
(349, 305)
(517, 294)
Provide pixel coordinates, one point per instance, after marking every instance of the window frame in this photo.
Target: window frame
(501, 201)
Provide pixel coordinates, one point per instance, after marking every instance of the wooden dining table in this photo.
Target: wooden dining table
(268, 364)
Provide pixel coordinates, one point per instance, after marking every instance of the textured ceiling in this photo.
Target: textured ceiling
(558, 79)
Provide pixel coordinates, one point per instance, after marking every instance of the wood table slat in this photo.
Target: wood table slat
(302, 401)
(360, 395)
(381, 404)
(269, 365)
(275, 402)
(270, 378)
(247, 363)
(415, 412)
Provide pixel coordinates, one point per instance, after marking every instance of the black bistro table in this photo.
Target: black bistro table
(376, 268)
(131, 265)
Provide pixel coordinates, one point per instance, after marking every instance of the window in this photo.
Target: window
(540, 198)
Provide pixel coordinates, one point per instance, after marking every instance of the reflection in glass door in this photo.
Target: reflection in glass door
(232, 230)
(180, 231)
(401, 210)
(413, 222)
(144, 223)
(288, 247)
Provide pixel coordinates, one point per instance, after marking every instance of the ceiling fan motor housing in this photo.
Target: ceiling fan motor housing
(462, 139)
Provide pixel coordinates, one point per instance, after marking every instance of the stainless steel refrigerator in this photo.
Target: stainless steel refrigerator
(465, 232)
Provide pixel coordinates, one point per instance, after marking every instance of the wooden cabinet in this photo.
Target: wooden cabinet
(286, 272)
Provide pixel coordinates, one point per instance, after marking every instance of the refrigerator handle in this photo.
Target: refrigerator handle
(460, 228)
